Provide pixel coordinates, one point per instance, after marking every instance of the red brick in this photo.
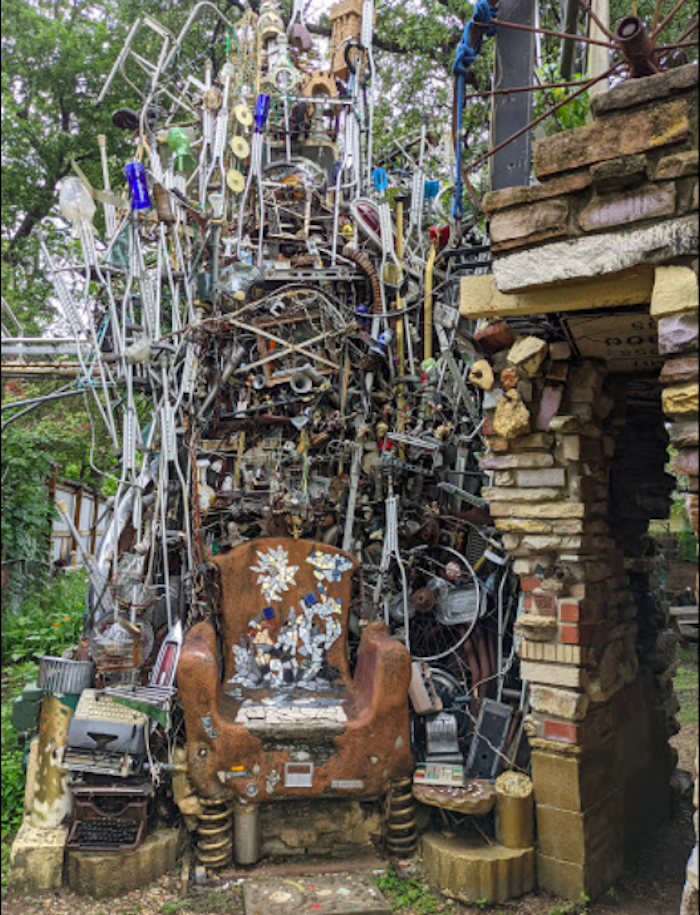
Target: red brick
(587, 634)
(528, 604)
(561, 731)
(569, 611)
(488, 427)
(546, 603)
(494, 337)
(529, 584)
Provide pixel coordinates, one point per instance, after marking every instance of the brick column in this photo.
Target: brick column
(674, 305)
(551, 462)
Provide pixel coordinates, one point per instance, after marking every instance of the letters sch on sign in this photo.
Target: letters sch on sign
(627, 341)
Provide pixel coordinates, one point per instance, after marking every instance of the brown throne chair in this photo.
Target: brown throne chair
(284, 718)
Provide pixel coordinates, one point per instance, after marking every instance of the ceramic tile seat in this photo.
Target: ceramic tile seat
(284, 697)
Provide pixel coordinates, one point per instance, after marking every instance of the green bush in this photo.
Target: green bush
(46, 623)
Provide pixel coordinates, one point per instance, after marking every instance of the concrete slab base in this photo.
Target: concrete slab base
(340, 894)
(36, 859)
(467, 869)
(106, 874)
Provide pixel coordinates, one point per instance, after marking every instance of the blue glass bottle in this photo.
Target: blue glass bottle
(138, 186)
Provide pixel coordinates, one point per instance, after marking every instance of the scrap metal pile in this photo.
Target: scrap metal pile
(271, 334)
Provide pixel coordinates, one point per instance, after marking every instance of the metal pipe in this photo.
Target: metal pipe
(637, 47)
(538, 30)
(569, 44)
(247, 833)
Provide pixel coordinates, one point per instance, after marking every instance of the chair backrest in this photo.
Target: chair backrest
(284, 606)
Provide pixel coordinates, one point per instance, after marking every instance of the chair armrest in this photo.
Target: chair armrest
(382, 674)
(198, 674)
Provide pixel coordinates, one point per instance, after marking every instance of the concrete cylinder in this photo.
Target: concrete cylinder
(247, 835)
(51, 798)
(514, 810)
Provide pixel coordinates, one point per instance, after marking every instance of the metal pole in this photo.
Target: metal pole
(599, 58)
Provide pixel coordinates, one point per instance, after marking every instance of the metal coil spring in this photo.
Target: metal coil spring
(401, 836)
(215, 833)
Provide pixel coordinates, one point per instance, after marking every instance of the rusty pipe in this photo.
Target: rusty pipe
(365, 264)
(493, 660)
(637, 47)
(483, 655)
(472, 664)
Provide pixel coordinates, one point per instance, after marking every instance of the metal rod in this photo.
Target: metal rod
(491, 152)
(603, 28)
(535, 87)
(678, 44)
(542, 31)
(657, 14)
(676, 8)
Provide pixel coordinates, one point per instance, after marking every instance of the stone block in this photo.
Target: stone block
(544, 479)
(561, 731)
(677, 165)
(675, 291)
(512, 461)
(566, 676)
(36, 859)
(534, 494)
(680, 370)
(591, 256)
(559, 350)
(549, 406)
(528, 353)
(523, 526)
(633, 92)
(512, 417)
(681, 400)
(536, 441)
(619, 173)
(537, 510)
(619, 135)
(467, 869)
(570, 880)
(537, 627)
(678, 334)
(685, 463)
(653, 201)
(553, 654)
(527, 225)
(521, 196)
(574, 783)
(578, 836)
(558, 702)
(104, 875)
(494, 338)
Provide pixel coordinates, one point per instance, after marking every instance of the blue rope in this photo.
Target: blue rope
(484, 12)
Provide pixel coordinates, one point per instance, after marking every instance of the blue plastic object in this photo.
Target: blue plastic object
(432, 189)
(138, 186)
(380, 179)
(262, 109)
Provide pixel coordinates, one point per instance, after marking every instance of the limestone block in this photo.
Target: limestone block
(467, 869)
(534, 442)
(523, 526)
(649, 202)
(535, 627)
(678, 334)
(104, 875)
(520, 196)
(570, 880)
(594, 256)
(680, 370)
(528, 354)
(565, 676)
(618, 666)
(633, 92)
(513, 461)
(578, 836)
(675, 291)
(481, 375)
(537, 510)
(544, 478)
(525, 225)
(536, 494)
(680, 400)
(619, 135)
(512, 417)
(36, 859)
(619, 173)
(677, 165)
(558, 702)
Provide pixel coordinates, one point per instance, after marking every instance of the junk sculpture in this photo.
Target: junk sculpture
(269, 330)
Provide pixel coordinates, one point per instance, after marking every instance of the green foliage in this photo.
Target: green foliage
(408, 894)
(47, 622)
(580, 907)
(688, 545)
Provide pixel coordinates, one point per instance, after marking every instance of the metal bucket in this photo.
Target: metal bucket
(61, 675)
(458, 605)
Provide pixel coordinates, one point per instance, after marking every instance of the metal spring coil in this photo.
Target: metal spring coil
(400, 835)
(215, 833)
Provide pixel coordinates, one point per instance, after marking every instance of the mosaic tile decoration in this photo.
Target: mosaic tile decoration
(329, 567)
(275, 573)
